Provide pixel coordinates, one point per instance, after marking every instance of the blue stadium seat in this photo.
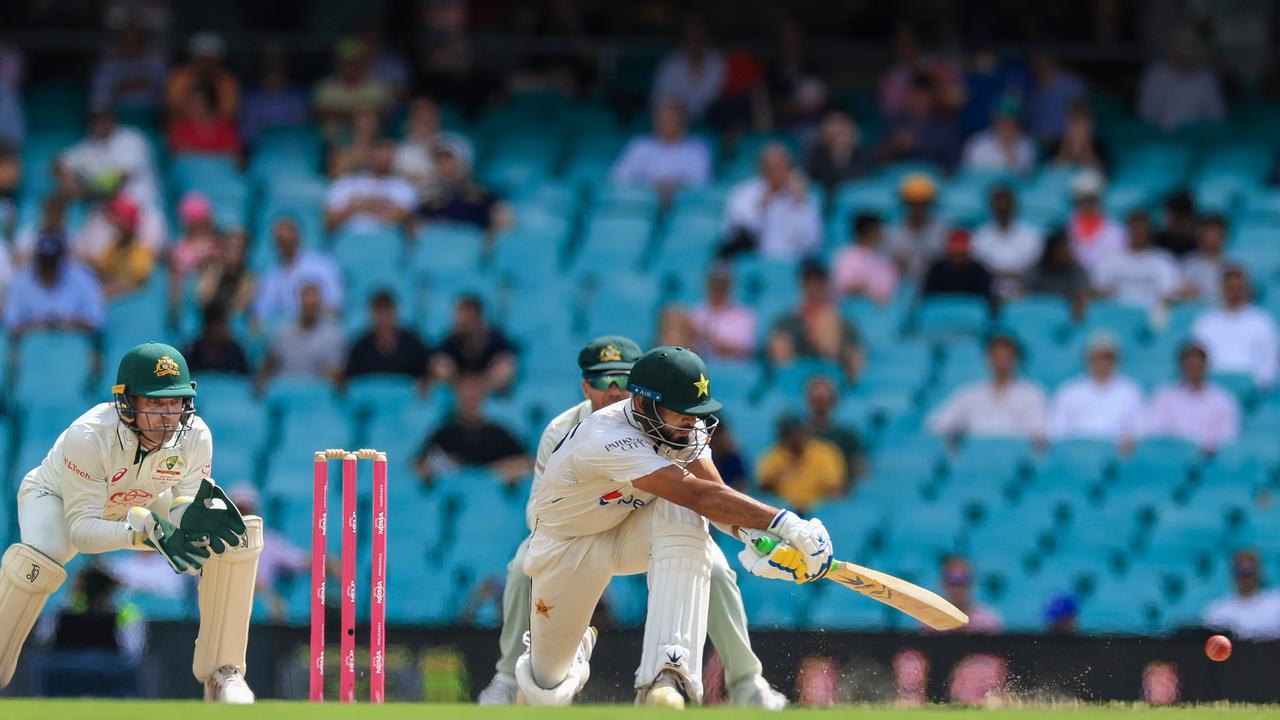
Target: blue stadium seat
(45, 355)
(613, 242)
(449, 249)
(1118, 608)
(531, 250)
(949, 316)
(1036, 315)
(837, 609)
(879, 327)
(925, 529)
(1127, 321)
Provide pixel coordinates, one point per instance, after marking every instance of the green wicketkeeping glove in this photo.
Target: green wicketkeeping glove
(183, 553)
(213, 515)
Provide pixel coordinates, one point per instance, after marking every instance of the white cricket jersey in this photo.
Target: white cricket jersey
(92, 468)
(555, 431)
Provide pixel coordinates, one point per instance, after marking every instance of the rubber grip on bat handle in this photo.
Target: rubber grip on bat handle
(764, 544)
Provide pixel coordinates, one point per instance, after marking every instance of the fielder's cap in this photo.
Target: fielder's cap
(153, 370)
(1102, 341)
(918, 188)
(206, 44)
(1087, 183)
(50, 245)
(608, 353)
(674, 378)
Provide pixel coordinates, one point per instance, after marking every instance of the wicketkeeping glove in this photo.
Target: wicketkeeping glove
(183, 553)
(213, 515)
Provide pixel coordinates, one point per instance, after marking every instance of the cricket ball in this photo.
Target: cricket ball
(1218, 648)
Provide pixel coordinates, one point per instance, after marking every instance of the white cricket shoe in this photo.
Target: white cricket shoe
(227, 685)
(757, 693)
(500, 691)
(666, 691)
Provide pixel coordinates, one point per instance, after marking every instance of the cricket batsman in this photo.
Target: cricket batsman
(606, 364)
(134, 474)
(630, 490)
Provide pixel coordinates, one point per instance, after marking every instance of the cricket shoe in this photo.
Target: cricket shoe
(227, 685)
(757, 693)
(500, 691)
(666, 691)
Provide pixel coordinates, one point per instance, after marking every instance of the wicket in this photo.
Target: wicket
(378, 582)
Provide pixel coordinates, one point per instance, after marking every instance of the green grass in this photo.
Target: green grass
(168, 710)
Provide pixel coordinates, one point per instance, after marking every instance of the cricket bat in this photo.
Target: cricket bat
(924, 605)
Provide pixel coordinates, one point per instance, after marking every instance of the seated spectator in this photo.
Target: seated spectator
(474, 347)
(352, 149)
(925, 132)
(1239, 336)
(1005, 405)
(800, 468)
(388, 348)
(692, 74)
(385, 64)
(198, 240)
(1183, 89)
(1252, 613)
(469, 439)
(458, 198)
(1079, 146)
(54, 293)
(1202, 269)
(1058, 273)
(125, 261)
(1055, 94)
(1144, 275)
(224, 278)
(910, 61)
(957, 583)
(724, 329)
(1194, 408)
(280, 560)
(727, 455)
(131, 74)
(773, 213)
(278, 292)
(1005, 245)
(815, 329)
(956, 272)
(115, 214)
(276, 102)
(821, 398)
(371, 200)
(350, 90)
(1178, 235)
(836, 154)
(422, 134)
(1095, 237)
(668, 159)
(216, 350)
(863, 268)
(312, 346)
(1101, 404)
(52, 221)
(198, 130)
(1002, 147)
(675, 327)
(988, 79)
(109, 157)
(919, 237)
(205, 69)
(797, 94)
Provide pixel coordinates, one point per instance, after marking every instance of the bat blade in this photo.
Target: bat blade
(924, 605)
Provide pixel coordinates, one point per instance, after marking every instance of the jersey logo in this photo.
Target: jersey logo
(166, 366)
(171, 466)
(119, 474)
(626, 444)
(543, 609)
(616, 497)
(131, 497)
(610, 353)
(703, 385)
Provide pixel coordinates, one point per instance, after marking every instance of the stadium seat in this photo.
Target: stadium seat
(612, 243)
(942, 317)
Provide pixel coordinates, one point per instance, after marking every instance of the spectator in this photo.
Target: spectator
(815, 329)
(987, 81)
(957, 583)
(1202, 269)
(920, 236)
(821, 398)
(198, 130)
(1194, 408)
(727, 456)
(1183, 89)
(1006, 246)
(1004, 405)
(108, 218)
(800, 468)
(924, 132)
(1079, 146)
(469, 439)
(385, 64)
(724, 329)
(52, 220)
(276, 102)
(280, 559)
(1252, 613)
(1058, 273)
(351, 150)
(199, 239)
(675, 327)
(474, 347)
(1060, 615)
(13, 123)
(388, 348)
(131, 74)
(1055, 92)
(836, 154)
(773, 212)
(351, 89)
(1239, 336)
(311, 346)
(956, 272)
(862, 268)
(911, 62)
(1095, 237)
(109, 157)
(55, 292)
(422, 134)
(459, 198)
(668, 159)
(797, 92)
(1002, 147)
(224, 278)
(693, 74)
(125, 261)
(216, 350)
(372, 200)
(281, 285)
(10, 183)
(205, 69)
(1144, 276)
(1178, 235)
(1102, 404)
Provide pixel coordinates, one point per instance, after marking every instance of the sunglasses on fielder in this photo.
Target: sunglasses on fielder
(604, 382)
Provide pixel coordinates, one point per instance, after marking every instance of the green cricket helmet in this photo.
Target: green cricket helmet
(154, 370)
(675, 379)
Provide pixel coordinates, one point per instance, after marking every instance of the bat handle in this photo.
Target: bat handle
(764, 544)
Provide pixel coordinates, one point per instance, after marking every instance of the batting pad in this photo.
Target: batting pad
(27, 578)
(675, 629)
(226, 602)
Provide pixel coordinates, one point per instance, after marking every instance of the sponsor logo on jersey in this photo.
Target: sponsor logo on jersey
(626, 444)
(119, 474)
(166, 366)
(172, 466)
(76, 469)
(616, 498)
(132, 497)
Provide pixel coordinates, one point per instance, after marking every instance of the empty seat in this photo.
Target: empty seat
(947, 316)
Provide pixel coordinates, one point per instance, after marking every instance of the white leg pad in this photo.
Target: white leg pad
(27, 578)
(226, 603)
(675, 628)
(563, 694)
